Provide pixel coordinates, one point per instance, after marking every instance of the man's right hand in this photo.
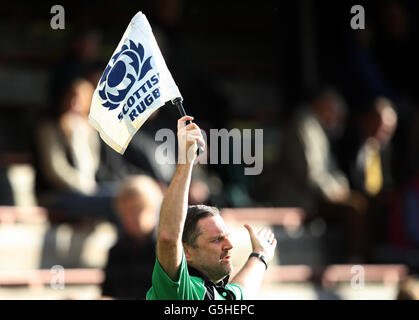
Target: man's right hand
(188, 137)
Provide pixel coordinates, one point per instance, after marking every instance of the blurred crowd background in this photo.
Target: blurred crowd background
(339, 109)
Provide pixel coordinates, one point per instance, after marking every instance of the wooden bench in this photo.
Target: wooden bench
(333, 275)
(13, 214)
(42, 277)
(288, 217)
(385, 273)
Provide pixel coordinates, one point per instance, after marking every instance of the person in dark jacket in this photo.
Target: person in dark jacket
(131, 260)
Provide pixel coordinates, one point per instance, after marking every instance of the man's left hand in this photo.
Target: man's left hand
(263, 242)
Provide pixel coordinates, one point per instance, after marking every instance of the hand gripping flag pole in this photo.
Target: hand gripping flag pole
(178, 103)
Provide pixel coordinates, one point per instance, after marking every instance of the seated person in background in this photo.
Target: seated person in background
(367, 158)
(68, 155)
(308, 171)
(131, 259)
(308, 175)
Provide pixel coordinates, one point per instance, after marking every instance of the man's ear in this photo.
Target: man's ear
(187, 250)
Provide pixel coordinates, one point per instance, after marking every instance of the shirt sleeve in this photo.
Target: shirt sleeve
(164, 288)
(238, 291)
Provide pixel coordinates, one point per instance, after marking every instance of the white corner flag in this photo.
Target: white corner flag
(135, 83)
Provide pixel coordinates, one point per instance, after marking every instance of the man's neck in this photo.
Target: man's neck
(197, 272)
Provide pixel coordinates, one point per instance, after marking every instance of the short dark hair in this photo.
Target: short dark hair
(194, 214)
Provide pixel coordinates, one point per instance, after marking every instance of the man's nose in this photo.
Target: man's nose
(227, 244)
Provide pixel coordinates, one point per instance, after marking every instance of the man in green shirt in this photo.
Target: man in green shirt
(193, 246)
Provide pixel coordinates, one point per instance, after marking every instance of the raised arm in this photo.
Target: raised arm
(175, 203)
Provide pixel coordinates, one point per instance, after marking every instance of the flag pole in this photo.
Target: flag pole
(178, 103)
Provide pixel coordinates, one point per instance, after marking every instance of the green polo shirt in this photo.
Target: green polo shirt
(191, 285)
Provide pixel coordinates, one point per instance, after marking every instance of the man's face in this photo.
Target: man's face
(212, 252)
(137, 219)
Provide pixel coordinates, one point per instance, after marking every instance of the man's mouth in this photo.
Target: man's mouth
(226, 257)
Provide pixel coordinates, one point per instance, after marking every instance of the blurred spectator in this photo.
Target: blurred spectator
(368, 161)
(368, 157)
(131, 259)
(308, 175)
(307, 165)
(69, 155)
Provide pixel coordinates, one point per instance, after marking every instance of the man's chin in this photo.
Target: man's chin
(228, 267)
(224, 272)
